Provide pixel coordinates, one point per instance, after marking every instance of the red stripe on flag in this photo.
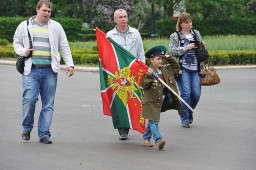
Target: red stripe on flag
(137, 121)
(139, 69)
(106, 52)
(106, 100)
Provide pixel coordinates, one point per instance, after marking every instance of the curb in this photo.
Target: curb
(235, 66)
(96, 69)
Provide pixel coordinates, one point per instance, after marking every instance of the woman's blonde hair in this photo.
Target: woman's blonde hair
(182, 18)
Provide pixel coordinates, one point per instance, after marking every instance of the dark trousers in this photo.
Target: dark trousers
(123, 131)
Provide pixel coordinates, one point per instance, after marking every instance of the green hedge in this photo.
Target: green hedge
(211, 27)
(89, 56)
(83, 56)
(71, 26)
(87, 37)
(80, 56)
(206, 27)
(4, 42)
(234, 57)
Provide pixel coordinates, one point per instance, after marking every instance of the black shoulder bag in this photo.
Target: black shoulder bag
(201, 52)
(20, 63)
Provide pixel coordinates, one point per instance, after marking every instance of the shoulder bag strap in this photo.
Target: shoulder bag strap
(30, 40)
(195, 37)
(181, 44)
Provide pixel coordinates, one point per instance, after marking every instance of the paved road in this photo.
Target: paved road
(222, 137)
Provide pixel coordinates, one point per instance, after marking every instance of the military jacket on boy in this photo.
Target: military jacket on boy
(153, 92)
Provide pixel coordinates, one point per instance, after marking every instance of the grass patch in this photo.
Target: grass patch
(86, 44)
(229, 42)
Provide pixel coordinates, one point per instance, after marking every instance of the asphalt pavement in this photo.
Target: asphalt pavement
(222, 136)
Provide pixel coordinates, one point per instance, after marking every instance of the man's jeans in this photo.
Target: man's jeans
(152, 129)
(190, 91)
(41, 81)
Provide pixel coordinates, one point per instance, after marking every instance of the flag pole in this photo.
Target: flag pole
(177, 95)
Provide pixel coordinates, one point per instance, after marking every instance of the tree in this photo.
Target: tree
(25, 8)
(251, 6)
(209, 9)
(68, 8)
(99, 13)
(141, 15)
(9, 8)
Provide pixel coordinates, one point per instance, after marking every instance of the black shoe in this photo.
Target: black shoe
(45, 140)
(185, 125)
(25, 135)
(123, 137)
(190, 121)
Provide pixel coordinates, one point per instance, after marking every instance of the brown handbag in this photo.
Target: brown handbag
(209, 76)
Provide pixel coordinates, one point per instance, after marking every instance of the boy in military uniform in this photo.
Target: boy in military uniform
(158, 98)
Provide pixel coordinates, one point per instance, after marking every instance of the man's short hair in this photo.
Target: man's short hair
(119, 10)
(46, 2)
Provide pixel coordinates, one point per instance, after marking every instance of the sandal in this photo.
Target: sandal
(147, 143)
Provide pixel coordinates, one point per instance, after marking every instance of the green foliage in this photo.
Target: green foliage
(68, 8)
(226, 57)
(85, 45)
(165, 27)
(85, 53)
(251, 6)
(85, 58)
(100, 12)
(71, 26)
(4, 42)
(8, 26)
(230, 42)
(217, 9)
(87, 37)
(7, 52)
(10, 8)
(211, 27)
(24, 8)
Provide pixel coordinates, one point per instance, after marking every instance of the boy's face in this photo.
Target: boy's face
(157, 61)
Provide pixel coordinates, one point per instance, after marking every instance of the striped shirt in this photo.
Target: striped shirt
(189, 60)
(41, 55)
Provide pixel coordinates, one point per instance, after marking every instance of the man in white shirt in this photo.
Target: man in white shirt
(129, 38)
(41, 67)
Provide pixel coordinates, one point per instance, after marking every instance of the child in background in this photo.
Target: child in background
(158, 98)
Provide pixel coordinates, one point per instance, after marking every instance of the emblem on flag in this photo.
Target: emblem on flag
(121, 76)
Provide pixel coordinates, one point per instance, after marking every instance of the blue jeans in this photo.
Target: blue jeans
(152, 130)
(41, 81)
(190, 91)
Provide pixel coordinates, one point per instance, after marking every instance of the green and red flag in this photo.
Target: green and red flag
(121, 76)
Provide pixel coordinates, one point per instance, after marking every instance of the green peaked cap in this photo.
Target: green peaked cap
(156, 51)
